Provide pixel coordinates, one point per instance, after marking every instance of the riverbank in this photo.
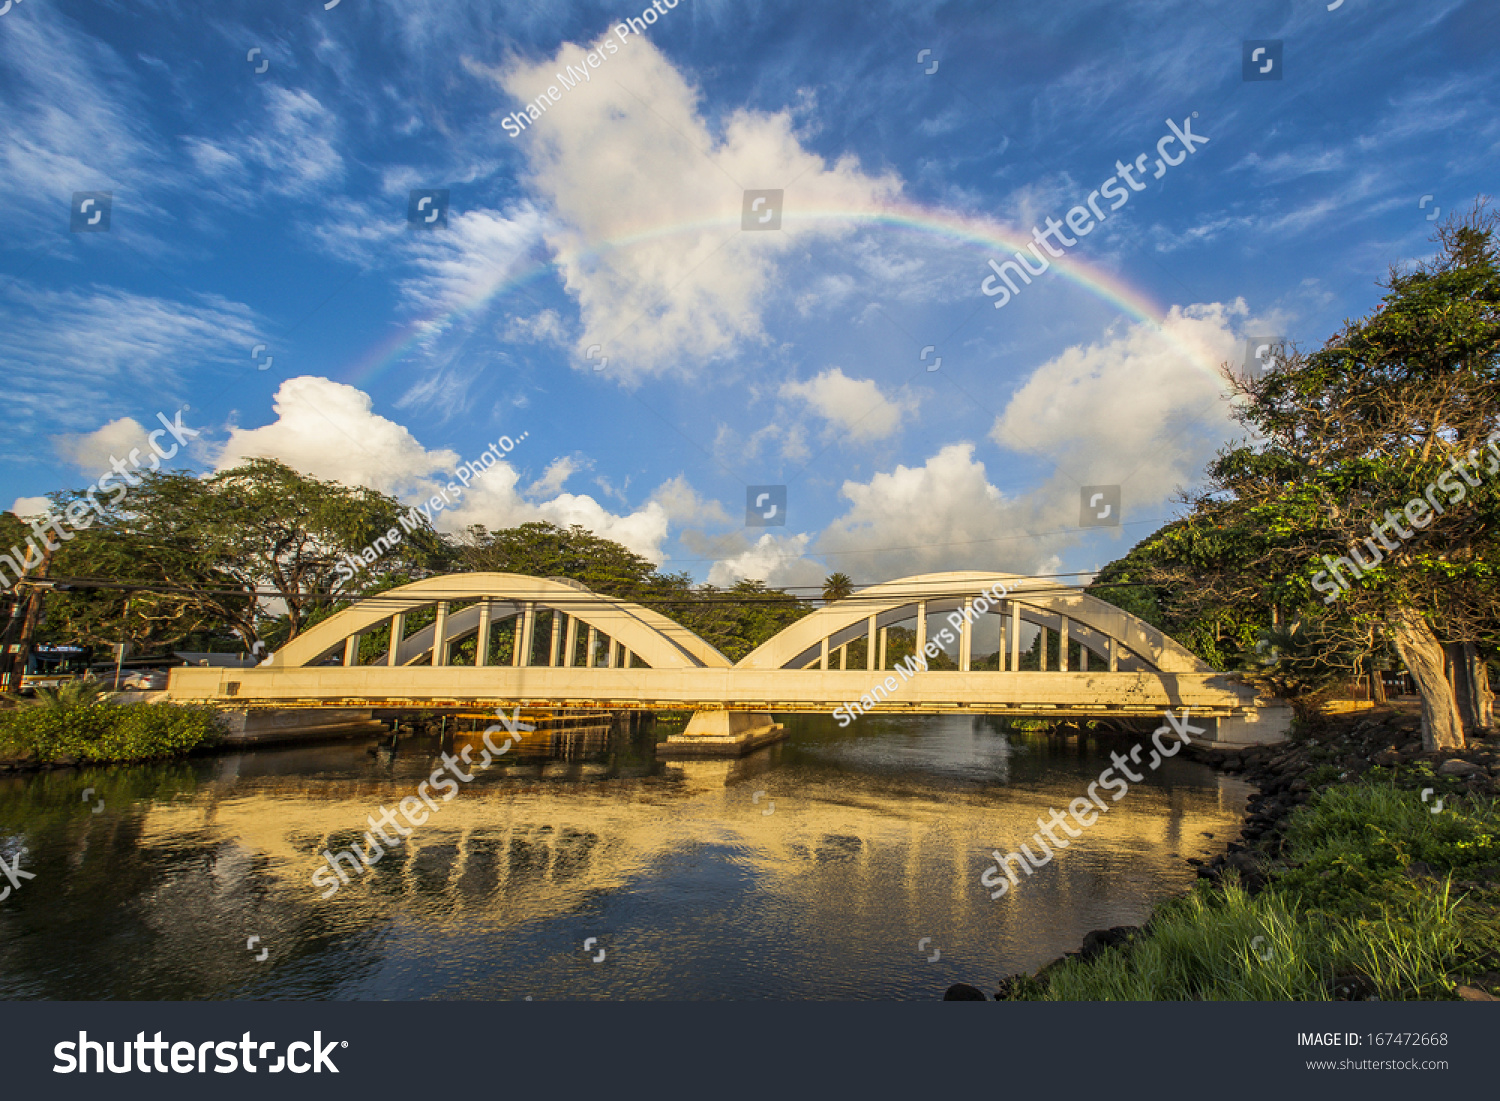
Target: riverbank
(1366, 869)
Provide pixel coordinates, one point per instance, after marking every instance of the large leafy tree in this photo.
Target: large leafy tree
(733, 620)
(1398, 406)
(254, 549)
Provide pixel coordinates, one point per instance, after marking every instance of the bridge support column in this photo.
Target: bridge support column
(570, 643)
(823, 655)
(1256, 726)
(440, 635)
(525, 633)
(1062, 645)
(1015, 636)
(351, 650)
(482, 644)
(884, 641)
(870, 645)
(556, 633)
(921, 626)
(966, 635)
(844, 657)
(398, 628)
(588, 658)
(723, 734)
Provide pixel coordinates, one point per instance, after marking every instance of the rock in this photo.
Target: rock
(963, 992)
(1387, 757)
(1353, 988)
(1474, 994)
(1098, 940)
(1457, 766)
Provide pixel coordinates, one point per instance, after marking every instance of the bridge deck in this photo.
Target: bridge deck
(1039, 694)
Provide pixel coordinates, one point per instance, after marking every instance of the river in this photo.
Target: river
(812, 869)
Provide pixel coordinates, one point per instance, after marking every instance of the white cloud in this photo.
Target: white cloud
(27, 507)
(616, 170)
(1143, 408)
(855, 406)
(775, 559)
(682, 502)
(83, 352)
(942, 515)
(553, 478)
(92, 452)
(72, 120)
(544, 327)
(329, 430)
(292, 146)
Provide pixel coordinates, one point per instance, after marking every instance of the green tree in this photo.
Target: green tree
(837, 586)
(1396, 403)
(256, 549)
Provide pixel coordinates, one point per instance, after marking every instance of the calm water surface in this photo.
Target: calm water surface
(864, 842)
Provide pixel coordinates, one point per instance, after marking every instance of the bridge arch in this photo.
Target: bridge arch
(491, 598)
(1119, 641)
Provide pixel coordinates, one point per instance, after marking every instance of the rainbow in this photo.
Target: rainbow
(984, 236)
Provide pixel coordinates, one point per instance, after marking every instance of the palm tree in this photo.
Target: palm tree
(837, 587)
(76, 693)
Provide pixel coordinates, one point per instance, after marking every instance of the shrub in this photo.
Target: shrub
(104, 732)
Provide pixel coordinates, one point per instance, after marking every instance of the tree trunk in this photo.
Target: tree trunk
(1377, 685)
(1471, 687)
(1442, 728)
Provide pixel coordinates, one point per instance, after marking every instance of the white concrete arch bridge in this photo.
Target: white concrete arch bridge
(582, 649)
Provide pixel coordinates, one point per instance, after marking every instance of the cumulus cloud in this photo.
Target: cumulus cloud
(778, 560)
(330, 430)
(553, 478)
(855, 406)
(92, 452)
(1142, 409)
(677, 282)
(27, 507)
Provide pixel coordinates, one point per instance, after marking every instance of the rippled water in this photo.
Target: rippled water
(864, 842)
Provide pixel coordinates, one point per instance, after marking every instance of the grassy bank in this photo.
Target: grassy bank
(1363, 891)
(101, 732)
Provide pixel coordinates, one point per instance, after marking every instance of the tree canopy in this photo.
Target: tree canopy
(1341, 445)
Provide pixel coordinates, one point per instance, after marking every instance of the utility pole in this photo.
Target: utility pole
(28, 624)
(124, 640)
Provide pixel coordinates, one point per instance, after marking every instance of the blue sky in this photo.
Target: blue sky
(261, 199)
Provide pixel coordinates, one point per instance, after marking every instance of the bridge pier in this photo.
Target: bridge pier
(723, 734)
(1261, 725)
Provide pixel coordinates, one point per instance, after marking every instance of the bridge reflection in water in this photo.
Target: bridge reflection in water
(861, 844)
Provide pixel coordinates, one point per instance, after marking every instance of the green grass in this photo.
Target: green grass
(1340, 903)
(104, 732)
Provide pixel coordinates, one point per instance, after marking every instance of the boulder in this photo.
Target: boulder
(1457, 766)
(1353, 987)
(963, 992)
